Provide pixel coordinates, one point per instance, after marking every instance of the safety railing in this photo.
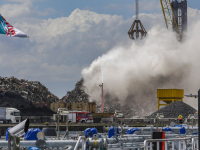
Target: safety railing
(195, 145)
(83, 143)
(172, 144)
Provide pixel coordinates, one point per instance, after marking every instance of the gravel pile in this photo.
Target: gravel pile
(77, 94)
(10, 99)
(33, 91)
(174, 109)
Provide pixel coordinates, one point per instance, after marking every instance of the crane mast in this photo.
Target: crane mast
(175, 16)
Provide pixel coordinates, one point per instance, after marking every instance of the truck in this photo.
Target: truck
(117, 115)
(9, 115)
(76, 116)
(80, 116)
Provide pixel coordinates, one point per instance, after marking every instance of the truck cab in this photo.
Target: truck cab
(12, 115)
(84, 117)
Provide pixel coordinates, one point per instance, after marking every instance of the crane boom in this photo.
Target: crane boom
(170, 20)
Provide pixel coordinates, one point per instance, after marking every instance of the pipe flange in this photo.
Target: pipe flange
(41, 144)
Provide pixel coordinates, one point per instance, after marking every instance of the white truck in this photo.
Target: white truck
(9, 115)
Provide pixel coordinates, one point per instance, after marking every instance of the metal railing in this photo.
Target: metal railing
(172, 144)
(195, 144)
(48, 143)
(83, 143)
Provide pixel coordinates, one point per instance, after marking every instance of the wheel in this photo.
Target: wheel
(83, 121)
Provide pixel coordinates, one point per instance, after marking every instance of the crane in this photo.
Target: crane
(137, 28)
(175, 16)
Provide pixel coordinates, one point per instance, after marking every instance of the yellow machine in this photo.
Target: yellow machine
(168, 96)
(170, 20)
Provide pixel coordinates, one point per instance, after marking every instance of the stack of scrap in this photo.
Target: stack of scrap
(36, 111)
(174, 109)
(109, 108)
(33, 91)
(77, 95)
(10, 99)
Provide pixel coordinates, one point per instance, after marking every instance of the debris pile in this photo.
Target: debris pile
(108, 109)
(129, 106)
(36, 111)
(33, 91)
(77, 94)
(10, 99)
(174, 109)
(110, 105)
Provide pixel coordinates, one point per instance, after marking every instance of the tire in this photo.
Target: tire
(83, 121)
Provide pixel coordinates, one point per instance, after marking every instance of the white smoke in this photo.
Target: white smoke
(132, 73)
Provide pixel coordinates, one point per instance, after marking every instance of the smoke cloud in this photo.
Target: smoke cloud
(133, 72)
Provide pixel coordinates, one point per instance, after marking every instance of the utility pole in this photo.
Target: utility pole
(101, 85)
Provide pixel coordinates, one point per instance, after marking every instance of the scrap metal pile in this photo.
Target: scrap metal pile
(77, 94)
(108, 108)
(33, 91)
(129, 106)
(11, 99)
(174, 109)
(110, 104)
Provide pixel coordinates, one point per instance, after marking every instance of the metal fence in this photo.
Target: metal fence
(195, 145)
(168, 144)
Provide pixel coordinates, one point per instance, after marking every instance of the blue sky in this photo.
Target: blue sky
(125, 8)
(66, 36)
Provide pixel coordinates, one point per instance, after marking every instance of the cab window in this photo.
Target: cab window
(16, 113)
(79, 114)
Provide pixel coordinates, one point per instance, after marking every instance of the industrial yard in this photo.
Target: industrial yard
(123, 76)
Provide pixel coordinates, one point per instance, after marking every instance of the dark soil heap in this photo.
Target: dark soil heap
(174, 109)
(33, 91)
(36, 111)
(10, 99)
(77, 94)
